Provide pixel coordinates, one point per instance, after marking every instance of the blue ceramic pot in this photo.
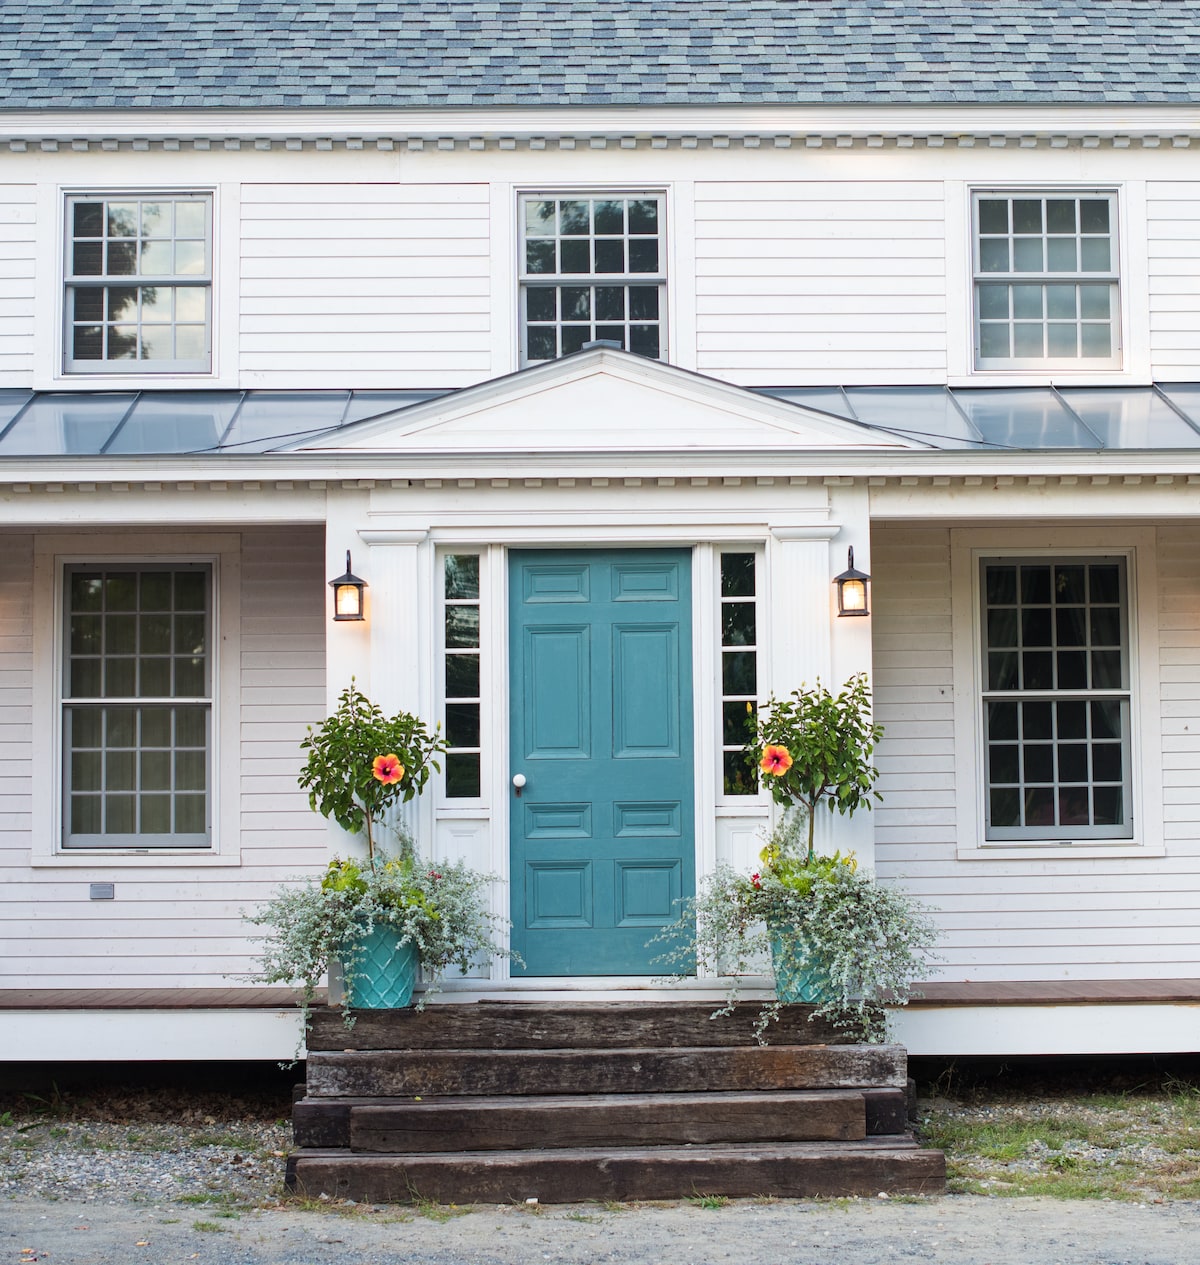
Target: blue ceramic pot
(385, 972)
(799, 974)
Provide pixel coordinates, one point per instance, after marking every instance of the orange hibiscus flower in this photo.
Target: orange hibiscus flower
(387, 769)
(775, 760)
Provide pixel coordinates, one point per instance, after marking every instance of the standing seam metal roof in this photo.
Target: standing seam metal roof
(244, 54)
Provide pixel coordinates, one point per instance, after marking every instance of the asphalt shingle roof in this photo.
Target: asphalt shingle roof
(188, 54)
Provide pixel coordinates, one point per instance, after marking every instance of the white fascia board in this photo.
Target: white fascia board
(780, 461)
(669, 121)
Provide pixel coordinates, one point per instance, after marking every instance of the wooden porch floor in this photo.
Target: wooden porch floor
(938, 994)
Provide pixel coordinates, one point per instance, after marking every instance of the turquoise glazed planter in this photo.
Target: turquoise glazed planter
(799, 976)
(385, 972)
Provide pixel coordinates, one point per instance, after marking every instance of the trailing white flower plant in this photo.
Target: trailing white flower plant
(864, 943)
(360, 764)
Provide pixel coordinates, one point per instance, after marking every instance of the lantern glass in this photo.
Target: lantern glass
(347, 601)
(854, 597)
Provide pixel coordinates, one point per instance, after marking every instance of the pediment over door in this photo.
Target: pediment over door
(603, 401)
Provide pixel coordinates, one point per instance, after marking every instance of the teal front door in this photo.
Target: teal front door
(600, 646)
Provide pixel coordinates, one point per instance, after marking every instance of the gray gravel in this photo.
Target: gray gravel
(207, 1188)
(957, 1230)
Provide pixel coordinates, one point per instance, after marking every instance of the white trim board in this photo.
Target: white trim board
(962, 1031)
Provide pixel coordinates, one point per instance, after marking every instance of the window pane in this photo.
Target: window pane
(462, 775)
(739, 673)
(462, 676)
(739, 777)
(737, 575)
(462, 575)
(462, 724)
(738, 624)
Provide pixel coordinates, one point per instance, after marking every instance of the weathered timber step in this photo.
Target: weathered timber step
(559, 1026)
(325, 1122)
(795, 1170)
(404, 1073)
(612, 1120)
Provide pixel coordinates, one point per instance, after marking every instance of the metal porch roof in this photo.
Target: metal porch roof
(1165, 416)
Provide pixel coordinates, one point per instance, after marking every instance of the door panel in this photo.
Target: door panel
(601, 700)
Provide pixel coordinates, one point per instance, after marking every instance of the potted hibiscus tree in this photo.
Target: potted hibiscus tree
(837, 939)
(390, 914)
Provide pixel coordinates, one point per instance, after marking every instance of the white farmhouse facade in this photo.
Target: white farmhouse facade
(670, 352)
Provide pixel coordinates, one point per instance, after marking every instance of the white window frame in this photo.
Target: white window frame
(74, 284)
(526, 280)
(756, 797)
(485, 672)
(969, 547)
(1114, 278)
(50, 317)
(53, 554)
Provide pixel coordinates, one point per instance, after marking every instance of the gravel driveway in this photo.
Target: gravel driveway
(955, 1230)
(161, 1177)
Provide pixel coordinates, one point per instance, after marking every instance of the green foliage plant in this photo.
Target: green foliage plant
(440, 909)
(869, 942)
(814, 747)
(361, 762)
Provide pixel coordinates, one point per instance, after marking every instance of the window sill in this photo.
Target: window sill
(1058, 850)
(1051, 375)
(120, 859)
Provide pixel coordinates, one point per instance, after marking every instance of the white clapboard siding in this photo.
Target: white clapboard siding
(172, 925)
(17, 284)
(804, 279)
(1173, 244)
(391, 283)
(1040, 917)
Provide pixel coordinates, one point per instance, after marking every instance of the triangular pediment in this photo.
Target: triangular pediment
(602, 400)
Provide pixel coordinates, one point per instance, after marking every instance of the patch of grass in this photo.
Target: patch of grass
(614, 1205)
(431, 1210)
(208, 1227)
(1133, 1146)
(585, 1217)
(710, 1202)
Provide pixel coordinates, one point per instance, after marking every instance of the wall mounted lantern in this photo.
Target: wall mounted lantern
(347, 594)
(852, 590)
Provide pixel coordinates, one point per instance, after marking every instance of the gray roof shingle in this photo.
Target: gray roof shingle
(192, 54)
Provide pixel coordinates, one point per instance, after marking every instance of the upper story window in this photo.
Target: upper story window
(1056, 698)
(592, 268)
(1046, 281)
(138, 284)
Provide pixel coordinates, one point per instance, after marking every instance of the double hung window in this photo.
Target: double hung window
(1046, 280)
(592, 268)
(1056, 698)
(138, 283)
(137, 706)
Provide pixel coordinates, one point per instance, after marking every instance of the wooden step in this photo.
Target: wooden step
(611, 1120)
(794, 1170)
(325, 1122)
(406, 1073)
(560, 1026)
